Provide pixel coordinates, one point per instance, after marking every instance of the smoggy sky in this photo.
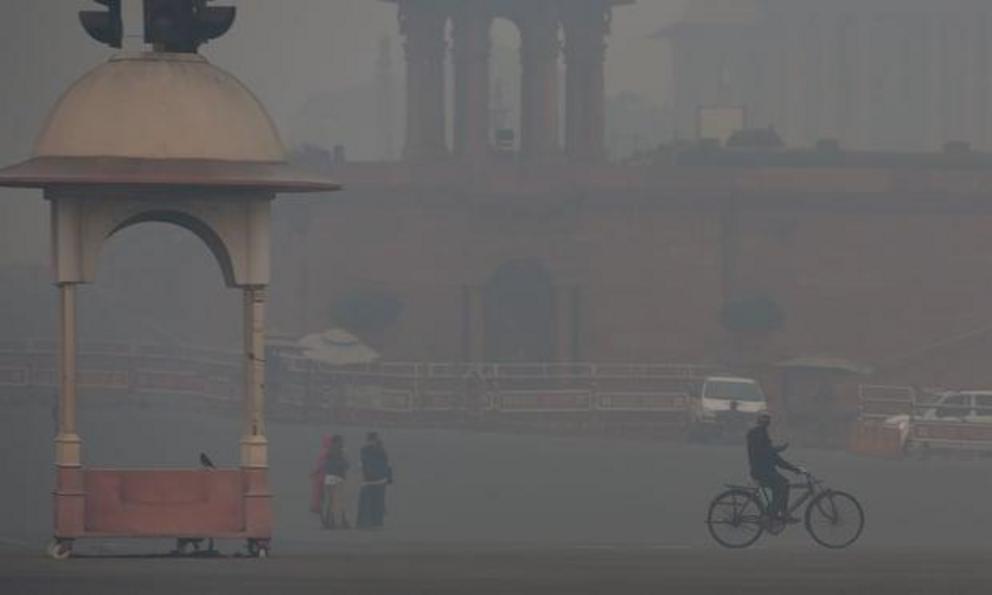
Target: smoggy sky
(287, 51)
(291, 53)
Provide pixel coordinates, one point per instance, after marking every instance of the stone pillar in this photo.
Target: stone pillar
(69, 485)
(980, 93)
(423, 25)
(986, 80)
(67, 442)
(864, 97)
(471, 50)
(539, 54)
(794, 81)
(254, 446)
(931, 88)
(68, 245)
(586, 26)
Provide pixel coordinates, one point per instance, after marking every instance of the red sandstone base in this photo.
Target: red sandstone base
(181, 504)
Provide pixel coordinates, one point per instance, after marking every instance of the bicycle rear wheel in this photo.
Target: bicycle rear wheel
(734, 519)
(835, 520)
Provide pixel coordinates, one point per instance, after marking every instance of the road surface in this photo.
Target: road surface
(490, 513)
(523, 570)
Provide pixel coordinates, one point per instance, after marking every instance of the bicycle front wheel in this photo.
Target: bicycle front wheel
(734, 519)
(835, 519)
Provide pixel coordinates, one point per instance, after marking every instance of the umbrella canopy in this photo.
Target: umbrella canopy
(337, 347)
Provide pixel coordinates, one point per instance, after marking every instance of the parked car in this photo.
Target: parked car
(725, 407)
(964, 407)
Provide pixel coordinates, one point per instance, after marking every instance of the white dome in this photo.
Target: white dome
(160, 106)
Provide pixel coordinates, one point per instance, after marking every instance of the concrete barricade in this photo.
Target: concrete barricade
(876, 440)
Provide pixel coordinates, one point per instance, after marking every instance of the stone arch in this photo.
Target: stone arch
(191, 223)
(520, 313)
(236, 232)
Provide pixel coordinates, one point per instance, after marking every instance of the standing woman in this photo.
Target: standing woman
(376, 475)
(335, 474)
(317, 476)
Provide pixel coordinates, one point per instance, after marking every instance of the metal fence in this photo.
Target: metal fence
(653, 398)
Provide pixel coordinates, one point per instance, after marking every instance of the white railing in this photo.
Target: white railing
(441, 392)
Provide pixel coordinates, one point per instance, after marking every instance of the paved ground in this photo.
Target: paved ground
(478, 513)
(484, 570)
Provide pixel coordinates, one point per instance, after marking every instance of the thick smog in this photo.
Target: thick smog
(495, 296)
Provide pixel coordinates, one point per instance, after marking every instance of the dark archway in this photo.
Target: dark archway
(520, 313)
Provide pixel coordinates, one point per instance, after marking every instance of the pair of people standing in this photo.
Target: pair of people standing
(330, 480)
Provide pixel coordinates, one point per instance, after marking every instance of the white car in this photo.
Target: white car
(727, 404)
(966, 406)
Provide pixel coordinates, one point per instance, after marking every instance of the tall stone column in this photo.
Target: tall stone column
(254, 445)
(586, 27)
(69, 483)
(68, 242)
(67, 442)
(980, 94)
(423, 25)
(985, 80)
(540, 50)
(931, 77)
(865, 96)
(472, 44)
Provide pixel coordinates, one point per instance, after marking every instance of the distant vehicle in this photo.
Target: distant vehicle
(725, 407)
(964, 407)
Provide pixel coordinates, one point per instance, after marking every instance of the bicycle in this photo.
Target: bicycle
(739, 516)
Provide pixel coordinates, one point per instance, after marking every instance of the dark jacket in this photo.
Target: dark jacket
(763, 455)
(336, 464)
(375, 463)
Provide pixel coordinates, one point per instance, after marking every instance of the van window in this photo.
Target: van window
(733, 391)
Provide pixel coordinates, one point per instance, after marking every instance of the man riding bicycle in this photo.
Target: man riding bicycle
(765, 461)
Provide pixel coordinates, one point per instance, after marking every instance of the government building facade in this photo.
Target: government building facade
(873, 74)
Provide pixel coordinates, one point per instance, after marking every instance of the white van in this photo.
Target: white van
(726, 405)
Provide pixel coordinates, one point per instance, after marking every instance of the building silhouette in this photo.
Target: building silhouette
(875, 74)
(550, 30)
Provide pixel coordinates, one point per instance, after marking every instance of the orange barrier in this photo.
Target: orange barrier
(876, 440)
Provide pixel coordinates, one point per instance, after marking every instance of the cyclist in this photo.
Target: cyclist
(765, 461)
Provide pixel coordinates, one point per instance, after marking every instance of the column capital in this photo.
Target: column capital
(539, 40)
(581, 49)
(416, 17)
(595, 16)
(424, 30)
(471, 41)
(585, 31)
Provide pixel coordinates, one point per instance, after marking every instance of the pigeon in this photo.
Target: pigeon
(205, 461)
